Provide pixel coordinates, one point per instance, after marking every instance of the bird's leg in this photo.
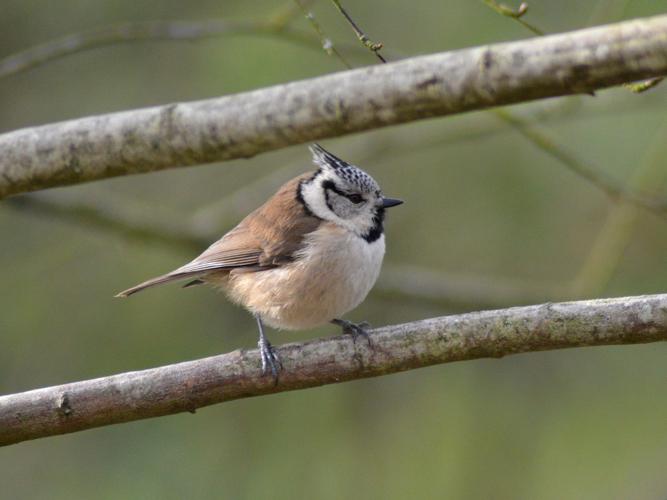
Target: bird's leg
(354, 329)
(268, 354)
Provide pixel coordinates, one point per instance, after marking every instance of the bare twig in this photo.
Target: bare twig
(374, 47)
(517, 14)
(616, 232)
(596, 177)
(229, 209)
(153, 31)
(327, 43)
(246, 124)
(128, 222)
(284, 15)
(428, 286)
(194, 384)
(144, 31)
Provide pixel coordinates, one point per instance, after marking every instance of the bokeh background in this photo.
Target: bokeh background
(490, 220)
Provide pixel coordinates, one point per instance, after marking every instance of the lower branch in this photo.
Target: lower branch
(194, 384)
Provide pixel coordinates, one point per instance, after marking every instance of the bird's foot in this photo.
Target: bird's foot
(270, 359)
(355, 329)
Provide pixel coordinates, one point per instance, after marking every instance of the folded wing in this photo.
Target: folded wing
(268, 237)
(234, 250)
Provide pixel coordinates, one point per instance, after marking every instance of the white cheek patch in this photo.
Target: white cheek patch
(315, 199)
(336, 209)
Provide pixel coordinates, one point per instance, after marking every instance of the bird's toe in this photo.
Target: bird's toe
(270, 360)
(355, 329)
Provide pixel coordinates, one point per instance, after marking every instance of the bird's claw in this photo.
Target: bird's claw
(270, 359)
(355, 329)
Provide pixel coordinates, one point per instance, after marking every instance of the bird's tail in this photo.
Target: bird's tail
(165, 278)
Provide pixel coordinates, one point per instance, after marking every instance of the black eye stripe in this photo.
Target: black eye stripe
(331, 186)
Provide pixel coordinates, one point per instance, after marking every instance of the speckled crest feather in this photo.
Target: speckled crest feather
(352, 174)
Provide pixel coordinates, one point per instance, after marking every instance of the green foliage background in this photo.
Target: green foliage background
(481, 202)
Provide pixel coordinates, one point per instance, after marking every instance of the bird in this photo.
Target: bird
(308, 255)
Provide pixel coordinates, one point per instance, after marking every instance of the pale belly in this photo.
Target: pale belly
(333, 275)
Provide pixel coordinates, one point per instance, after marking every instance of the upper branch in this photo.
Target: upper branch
(246, 124)
(193, 384)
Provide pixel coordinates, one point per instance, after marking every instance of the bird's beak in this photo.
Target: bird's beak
(390, 202)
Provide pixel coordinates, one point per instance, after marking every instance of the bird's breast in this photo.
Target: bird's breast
(331, 274)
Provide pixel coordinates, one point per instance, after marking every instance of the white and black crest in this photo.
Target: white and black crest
(350, 173)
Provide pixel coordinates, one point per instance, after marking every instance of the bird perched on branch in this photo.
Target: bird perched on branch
(307, 256)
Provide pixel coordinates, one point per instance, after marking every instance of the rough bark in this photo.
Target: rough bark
(249, 123)
(193, 384)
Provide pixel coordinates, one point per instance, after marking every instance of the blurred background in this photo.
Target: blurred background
(490, 220)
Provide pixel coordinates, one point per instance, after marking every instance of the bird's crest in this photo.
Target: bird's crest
(343, 169)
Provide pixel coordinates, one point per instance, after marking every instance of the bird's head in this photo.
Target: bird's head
(346, 195)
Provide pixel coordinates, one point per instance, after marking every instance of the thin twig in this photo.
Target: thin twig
(327, 43)
(429, 286)
(596, 177)
(283, 16)
(616, 232)
(227, 210)
(517, 14)
(363, 38)
(152, 31)
(127, 222)
(191, 385)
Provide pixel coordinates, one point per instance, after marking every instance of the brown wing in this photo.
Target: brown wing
(266, 238)
(237, 248)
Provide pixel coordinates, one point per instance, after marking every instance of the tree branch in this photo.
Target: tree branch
(194, 384)
(246, 124)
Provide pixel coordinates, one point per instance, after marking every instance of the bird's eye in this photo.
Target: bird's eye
(355, 198)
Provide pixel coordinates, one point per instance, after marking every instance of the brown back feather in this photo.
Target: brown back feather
(267, 237)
